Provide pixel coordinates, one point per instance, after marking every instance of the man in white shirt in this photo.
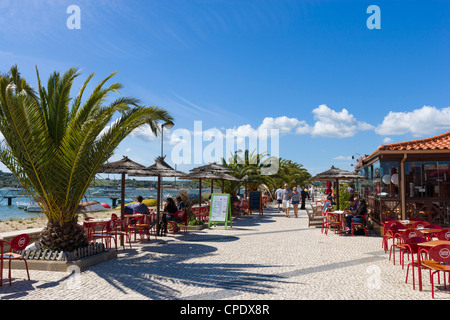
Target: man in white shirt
(278, 194)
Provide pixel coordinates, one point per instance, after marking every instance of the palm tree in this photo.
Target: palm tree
(247, 168)
(55, 145)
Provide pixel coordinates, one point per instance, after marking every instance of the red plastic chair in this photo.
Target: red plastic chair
(439, 261)
(412, 248)
(397, 240)
(444, 234)
(325, 224)
(415, 219)
(404, 237)
(110, 232)
(18, 243)
(181, 215)
(332, 222)
(386, 223)
(419, 224)
(355, 225)
(143, 225)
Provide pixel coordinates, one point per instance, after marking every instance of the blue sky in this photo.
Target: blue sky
(312, 69)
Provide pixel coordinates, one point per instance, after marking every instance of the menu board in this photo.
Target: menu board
(255, 201)
(220, 209)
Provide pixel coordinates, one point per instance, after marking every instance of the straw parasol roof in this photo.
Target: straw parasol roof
(213, 167)
(336, 173)
(121, 166)
(207, 172)
(159, 169)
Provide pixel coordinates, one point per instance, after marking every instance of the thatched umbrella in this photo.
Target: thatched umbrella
(122, 167)
(336, 174)
(213, 167)
(159, 169)
(221, 173)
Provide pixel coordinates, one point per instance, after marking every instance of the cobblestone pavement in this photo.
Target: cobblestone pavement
(268, 257)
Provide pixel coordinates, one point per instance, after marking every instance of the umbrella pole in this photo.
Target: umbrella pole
(158, 202)
(337, 193)
(122, 204)
(200, 192)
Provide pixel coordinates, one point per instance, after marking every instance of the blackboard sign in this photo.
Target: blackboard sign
(255, 201)
(220, 209)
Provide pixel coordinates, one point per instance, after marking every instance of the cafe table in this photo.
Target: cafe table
(425, 231)
(426, 245)
(340, 214)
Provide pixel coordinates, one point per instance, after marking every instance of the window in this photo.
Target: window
(427, 179)
(389, 174)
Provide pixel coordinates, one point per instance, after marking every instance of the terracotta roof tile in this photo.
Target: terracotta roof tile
(440, 142)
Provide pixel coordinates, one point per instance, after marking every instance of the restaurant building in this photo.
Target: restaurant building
(408, 179)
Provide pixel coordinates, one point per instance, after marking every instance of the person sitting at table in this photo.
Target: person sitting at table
(137, 207)
(353, 205)
(180, 203)
(169, 209)
(359, 216)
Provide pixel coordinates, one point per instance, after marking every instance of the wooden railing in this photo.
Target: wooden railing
(432, 210)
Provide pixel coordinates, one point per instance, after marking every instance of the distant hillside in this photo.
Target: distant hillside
(7, 180)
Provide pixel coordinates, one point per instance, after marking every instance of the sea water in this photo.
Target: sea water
(8, 212)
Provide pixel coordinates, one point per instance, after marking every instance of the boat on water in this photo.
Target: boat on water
(93, 206)
(33, 208)
(106, 193)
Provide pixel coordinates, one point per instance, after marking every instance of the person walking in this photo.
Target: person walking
(286, 197)
(295, 196)
(304, 195)
(278, 194)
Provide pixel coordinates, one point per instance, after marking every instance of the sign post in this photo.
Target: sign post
(255, 202)
(220, 209)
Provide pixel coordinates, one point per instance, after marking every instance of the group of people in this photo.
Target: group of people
(168, 212)
(285, 196)
(357, 211)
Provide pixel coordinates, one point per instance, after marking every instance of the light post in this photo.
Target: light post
(168, 125)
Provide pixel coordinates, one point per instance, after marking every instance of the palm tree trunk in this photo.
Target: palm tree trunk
(66, 237)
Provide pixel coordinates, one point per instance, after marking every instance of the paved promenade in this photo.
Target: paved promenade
(268, 257)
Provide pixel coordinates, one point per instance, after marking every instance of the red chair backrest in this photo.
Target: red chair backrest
(110, 225)
(415, 219)
(411, 233)
(20, 242)
(387, 220)
(180, 214)
(444, 234)
(412, 243)
(419, 224)
(440, 253)
(393, 226)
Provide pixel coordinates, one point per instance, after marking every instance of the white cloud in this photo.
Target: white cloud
(330, 123)
(419, 122)
(387, 140)
(284, 124)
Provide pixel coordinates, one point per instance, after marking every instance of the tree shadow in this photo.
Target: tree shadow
(153, 273)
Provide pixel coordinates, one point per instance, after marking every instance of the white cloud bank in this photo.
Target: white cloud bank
(334, 124)
(419, 122)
